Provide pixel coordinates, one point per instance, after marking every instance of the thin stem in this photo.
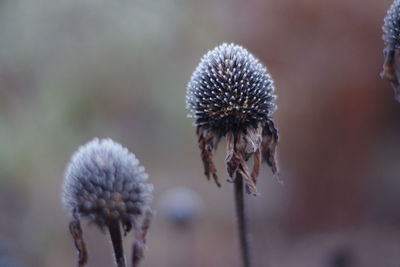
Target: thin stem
(116, 239)
(242, 222)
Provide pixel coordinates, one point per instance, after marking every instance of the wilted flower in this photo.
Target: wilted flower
(391, 37)
(105, 184)
(231, 94)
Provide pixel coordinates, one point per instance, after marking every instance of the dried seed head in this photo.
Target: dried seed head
(391, 36)
(231, 94)
(105, 183)
(391, 27)
(230, 90)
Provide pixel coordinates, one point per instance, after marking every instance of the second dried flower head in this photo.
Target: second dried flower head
(105, 184)
(231, 95)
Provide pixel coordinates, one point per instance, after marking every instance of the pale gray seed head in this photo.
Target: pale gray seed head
(104, 182)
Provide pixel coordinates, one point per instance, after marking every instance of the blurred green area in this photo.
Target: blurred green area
(71, 70)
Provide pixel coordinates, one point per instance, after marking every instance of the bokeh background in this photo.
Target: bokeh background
(71, 70)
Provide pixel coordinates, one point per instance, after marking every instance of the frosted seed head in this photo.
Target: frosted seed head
(229, 90)
(391, 26)
(101, 179)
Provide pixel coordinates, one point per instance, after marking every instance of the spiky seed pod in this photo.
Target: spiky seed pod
(105, 184)
(231, 94)
(230, 90)
(391, 36)
(391, 26)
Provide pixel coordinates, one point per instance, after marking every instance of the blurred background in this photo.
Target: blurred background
(71, 70)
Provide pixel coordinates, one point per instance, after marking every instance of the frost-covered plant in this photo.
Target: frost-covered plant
(231, 95)
(105, 184)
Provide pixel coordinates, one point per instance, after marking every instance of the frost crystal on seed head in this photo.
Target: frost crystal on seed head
(230, 89)
(104, 182)
(391, 27)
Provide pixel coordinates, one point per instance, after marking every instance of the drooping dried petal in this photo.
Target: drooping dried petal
(76, 232)
(269, 146)
(139, 245)
(206, 145)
